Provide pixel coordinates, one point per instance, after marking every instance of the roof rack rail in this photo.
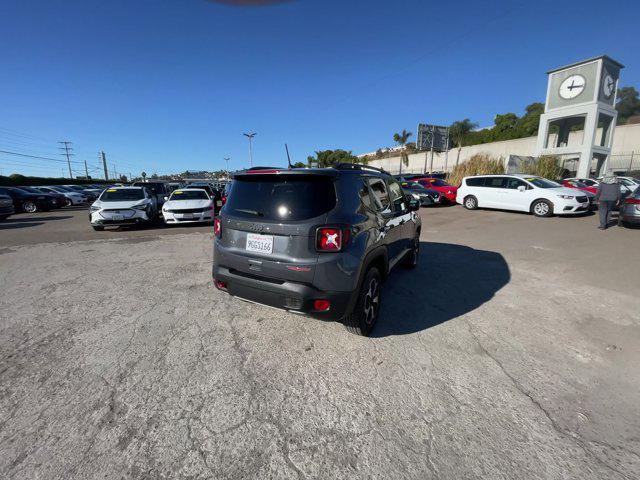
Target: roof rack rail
(358, 166)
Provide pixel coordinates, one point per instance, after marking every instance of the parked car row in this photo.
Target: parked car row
(32, 199)
(145, 203)
(429, 190)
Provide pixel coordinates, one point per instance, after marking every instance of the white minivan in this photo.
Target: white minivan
(524, 193)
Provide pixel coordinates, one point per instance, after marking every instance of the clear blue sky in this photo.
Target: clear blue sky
(169, 85)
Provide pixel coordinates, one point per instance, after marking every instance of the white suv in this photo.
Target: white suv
(123, 206)
(524, 193)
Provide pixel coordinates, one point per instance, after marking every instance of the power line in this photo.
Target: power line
(24, 135)
(31, 156)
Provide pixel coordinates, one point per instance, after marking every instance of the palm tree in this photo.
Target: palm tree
(401, 140)
(458, 131)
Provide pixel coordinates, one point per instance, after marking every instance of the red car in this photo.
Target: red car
(448, 191)
(579, 185)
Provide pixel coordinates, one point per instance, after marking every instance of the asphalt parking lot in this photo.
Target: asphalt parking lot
(512, 352)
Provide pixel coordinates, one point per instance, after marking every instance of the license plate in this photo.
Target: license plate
(117, 217)
(219, 203)
(188, 216)
(259, 243)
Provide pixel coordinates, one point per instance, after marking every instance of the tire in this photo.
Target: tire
(470, 202)
(542, 208)
(97, 228)
(68, 202)
(411, 259)
(29, 207)
(363, 318)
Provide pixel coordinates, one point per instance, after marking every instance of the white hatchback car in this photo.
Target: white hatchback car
(188, 205)
(524, 193)
(123, 206)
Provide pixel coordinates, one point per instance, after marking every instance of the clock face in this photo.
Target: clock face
(572, 86)
(608, 86)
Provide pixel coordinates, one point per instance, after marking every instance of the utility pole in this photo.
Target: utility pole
(104, 165)
(250, 137)
(433, 135)
(446, 155)
(86, 170)
(67, 153)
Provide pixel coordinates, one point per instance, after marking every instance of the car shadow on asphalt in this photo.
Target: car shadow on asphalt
(9, 226)
(35, 218)
(450, 281)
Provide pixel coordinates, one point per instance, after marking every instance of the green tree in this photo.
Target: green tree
(401, 140)
(628, 104)
(299, 165)
(528, 124)
(458, 132)
(328, 158)
(505, 122)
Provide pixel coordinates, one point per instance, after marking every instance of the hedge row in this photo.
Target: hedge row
(17, 180)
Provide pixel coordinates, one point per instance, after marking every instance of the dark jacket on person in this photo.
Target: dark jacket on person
(608, 192)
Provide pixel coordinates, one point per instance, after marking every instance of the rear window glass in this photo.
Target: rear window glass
(495, 182)
(156, 188)
(121, 195)
(437, 182)
(281, 197)
(475, 182)
(189, 195)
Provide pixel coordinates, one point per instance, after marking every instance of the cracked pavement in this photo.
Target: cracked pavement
(511, 353)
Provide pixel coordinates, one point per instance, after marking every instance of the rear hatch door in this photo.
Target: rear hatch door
(269, 223)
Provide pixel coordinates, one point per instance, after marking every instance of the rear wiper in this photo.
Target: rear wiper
(252, 212)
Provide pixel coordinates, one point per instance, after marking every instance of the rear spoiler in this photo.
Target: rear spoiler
(251, 173)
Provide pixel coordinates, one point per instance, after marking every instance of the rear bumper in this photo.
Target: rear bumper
(290, 296)
(632, 216)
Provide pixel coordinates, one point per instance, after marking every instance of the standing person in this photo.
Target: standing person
(607, 196)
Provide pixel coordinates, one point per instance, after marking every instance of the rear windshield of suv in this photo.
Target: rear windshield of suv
(157, 188)
(121, 195)
(281, 197)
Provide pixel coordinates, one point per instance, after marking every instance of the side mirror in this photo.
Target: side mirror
(522, 188)
(414, 205)
(165, 198)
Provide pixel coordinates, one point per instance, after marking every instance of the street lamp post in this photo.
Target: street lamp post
(250, 137)
(226, 159)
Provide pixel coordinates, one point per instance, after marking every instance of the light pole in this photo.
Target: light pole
(226, 159)
(250, 137)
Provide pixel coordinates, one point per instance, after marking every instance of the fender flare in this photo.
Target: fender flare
(378, 253)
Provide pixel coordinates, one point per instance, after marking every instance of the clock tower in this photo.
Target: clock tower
(580, 116)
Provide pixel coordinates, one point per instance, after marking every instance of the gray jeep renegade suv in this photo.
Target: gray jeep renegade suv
(318, 242)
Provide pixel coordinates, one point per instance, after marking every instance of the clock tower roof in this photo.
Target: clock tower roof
(605, 57)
